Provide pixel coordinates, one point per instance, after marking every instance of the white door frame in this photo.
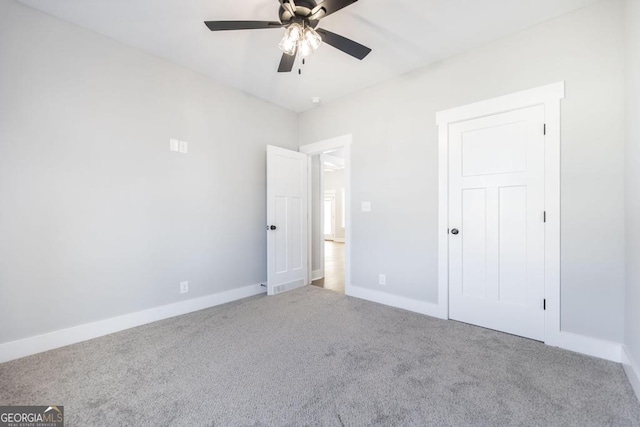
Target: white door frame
(320, 147)
(549, 96)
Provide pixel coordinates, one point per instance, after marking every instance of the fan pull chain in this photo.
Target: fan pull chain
(300, 69)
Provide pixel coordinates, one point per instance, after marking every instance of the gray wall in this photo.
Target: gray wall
(97, 217)
(394, 159)
(632, 336)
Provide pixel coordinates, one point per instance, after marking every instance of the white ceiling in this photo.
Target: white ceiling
(404, 35)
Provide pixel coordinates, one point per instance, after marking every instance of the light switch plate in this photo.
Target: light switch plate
(366, 207)
(174, 145)
(184, 147)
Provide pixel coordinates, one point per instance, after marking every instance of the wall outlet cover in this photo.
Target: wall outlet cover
(366, 207)
(174, 145)
(184, 147)
(184, 287)
(383, 279)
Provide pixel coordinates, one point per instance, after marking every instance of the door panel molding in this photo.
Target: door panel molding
(549, 97)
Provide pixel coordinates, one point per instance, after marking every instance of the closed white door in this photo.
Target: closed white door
(496, 219)
(286, 220)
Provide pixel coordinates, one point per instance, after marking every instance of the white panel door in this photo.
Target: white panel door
(286, 220)
(496, 219)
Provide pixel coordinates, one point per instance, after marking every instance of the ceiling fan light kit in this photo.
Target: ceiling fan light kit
(297, 38)
(300, 18)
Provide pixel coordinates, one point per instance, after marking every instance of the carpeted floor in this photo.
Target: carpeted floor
(316, 357)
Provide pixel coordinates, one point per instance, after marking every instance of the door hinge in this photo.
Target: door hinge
(544, 216)
(544, 304)
(544, 129)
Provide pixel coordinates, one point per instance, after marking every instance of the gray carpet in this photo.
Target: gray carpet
(315, 357)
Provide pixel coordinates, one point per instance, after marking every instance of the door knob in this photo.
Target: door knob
(455, 231)
(271, 227)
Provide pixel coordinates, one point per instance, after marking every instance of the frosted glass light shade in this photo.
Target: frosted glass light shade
(311, 37)
(305, 48)
(296, 38)
(291, 39)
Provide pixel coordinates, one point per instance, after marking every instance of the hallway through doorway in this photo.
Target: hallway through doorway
(333, 267)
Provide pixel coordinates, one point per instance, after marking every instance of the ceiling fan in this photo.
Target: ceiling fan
(302, 37)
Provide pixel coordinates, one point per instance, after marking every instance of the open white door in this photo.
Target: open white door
(286, 220)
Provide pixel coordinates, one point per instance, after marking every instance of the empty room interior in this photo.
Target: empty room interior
(320, 212)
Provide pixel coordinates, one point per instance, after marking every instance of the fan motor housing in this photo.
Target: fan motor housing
(303, 10)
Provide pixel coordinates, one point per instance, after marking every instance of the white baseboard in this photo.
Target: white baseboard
(422, 307)
(595, 347)
(580, 344)
(632, 370)
(37, 344)
(316, 275)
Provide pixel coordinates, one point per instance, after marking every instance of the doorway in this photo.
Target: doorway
(329, 219)
(333, 184)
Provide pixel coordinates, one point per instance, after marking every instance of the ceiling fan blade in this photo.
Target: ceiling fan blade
(327, 7)
(241, 25)
(286, 63)
(344, 44)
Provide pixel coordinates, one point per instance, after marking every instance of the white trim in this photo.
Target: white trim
(49, 341)
(316, 275)
(515, 101)
(595, 347)
(345, 142)
(549, 96)
(327, 145)
(334, 162)
(422, 307)
(339, 240)
(632, 369)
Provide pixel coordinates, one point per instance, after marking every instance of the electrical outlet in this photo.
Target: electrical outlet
(174, 145)
(184, 287)
(184, 147)
(383, 279)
